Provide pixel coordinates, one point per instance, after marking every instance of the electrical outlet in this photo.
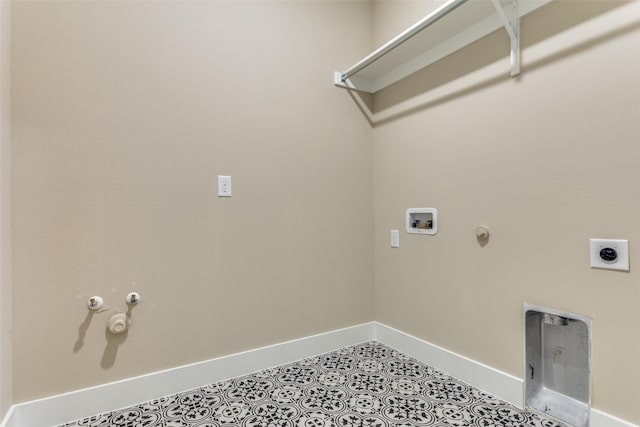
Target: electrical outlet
(609, 254)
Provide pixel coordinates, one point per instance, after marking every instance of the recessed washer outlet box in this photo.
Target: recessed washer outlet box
(422, 221)
(558, 364)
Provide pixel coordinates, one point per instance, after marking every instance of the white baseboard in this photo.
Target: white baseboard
(9, 419)
(54, 410)
(79, 404)
(602, 419)
(495, 382)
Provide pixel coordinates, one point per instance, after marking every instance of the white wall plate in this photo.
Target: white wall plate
(611, 254)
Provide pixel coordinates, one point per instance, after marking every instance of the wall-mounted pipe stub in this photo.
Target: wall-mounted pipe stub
(482, 232)
(118, 324)
(95, 302)
(133, 298)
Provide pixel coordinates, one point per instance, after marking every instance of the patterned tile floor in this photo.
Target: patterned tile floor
(368, 385)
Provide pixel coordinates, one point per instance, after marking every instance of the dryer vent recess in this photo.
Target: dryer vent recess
(558, 364)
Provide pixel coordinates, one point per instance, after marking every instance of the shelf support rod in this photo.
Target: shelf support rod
(403, 37)
(513, 29)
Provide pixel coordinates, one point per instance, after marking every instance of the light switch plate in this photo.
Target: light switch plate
(611, 248)
(395, 238)
(224, 186)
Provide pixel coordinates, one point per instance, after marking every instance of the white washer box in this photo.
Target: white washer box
(422, 220)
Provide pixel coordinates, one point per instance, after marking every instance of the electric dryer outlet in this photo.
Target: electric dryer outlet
(611, 254)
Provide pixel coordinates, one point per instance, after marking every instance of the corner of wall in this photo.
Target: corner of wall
(6, 382)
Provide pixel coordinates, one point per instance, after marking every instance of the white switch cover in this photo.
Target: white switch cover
(224, 186)
(395, 238)
(610, 254)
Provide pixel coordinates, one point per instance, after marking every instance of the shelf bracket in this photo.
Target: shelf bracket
(512, 25)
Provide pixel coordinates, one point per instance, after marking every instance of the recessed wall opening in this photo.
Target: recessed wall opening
(422, 221)
(558, 364)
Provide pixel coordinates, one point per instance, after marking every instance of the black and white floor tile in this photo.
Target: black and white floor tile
(367, 385)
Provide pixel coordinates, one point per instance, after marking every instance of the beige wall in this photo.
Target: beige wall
(5, 200)
(547, 161)
(124, 113)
